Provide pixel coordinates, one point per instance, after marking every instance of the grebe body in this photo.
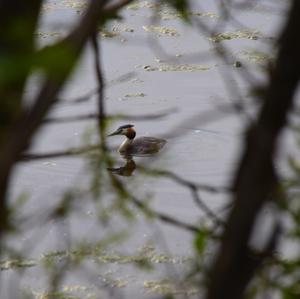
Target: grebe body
(137, 146)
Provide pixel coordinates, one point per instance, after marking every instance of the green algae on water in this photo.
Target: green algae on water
(16, 263)
(166, 287)
(142, 4)
(161, 30)
(255, 56)
(44, 34)
(75, 4)
(170, 15)
(106, 33)
(135, 95)
(67, 292)
(238, 34)
(177, 68)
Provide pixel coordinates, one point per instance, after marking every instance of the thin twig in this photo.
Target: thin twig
(78, 100)
(100, 81)
(95, 116)
(119, 186)
(200, 203)
(187, 183)
(58, 154)
(163, 217)
(81, 99)
(193, 187)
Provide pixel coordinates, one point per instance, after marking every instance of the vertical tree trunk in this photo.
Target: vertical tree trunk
(255, 178)
(18, 21)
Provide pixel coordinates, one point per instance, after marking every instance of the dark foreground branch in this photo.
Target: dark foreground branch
(30, 120)
(101, 117)
(256, 177)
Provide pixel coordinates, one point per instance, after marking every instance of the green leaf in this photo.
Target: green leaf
(182, 6)
(290, 292)
(56, 60)
(199, 241)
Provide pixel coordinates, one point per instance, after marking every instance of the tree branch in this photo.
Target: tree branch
(100, 80)
(256, 177)
(57, 154)
(29, 120)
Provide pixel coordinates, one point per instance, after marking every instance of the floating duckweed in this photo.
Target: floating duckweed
(120, 283)
(55, 295)
(74, 4)
(127, 29)
(105, 33)
(121, 259)
(68, 292)
(75, 288)
(161, 30)
(255, 56)
(134, 5)
(144, 256)
(10, 264)
(149, 68)
(47, 7)
(48, 34)
(136, 80)
(176, 68)
(162, 287)
(142, 4)
(112, 282)
(135, 95)
(169, 15)
(114, 31)
(165, 287)
(49, 163)
(246, 34)
(204, 14)
(182, 68)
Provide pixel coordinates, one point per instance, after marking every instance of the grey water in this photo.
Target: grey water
(204, 139)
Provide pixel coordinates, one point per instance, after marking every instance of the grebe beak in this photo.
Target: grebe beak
(117, 132)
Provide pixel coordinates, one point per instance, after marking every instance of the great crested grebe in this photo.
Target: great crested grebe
(138, 146)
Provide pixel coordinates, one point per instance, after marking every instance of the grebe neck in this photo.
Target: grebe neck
(125, 145)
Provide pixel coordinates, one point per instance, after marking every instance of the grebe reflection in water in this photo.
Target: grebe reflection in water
(127, 169)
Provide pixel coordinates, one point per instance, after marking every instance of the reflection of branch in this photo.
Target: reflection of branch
(190, 184)
(194, 190)
(95, 116)
(193, 187)
(123, 78)
(163, 217)
(208, 116)
(58, 154)
(79, 99)
(118, 185)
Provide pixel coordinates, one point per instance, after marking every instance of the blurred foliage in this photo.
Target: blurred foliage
(279, 274)
(182, 6)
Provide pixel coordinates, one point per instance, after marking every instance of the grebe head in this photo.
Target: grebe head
(126, 130)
